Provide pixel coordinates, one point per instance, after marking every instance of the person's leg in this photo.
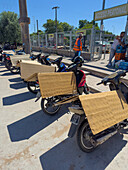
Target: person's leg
(112, 53)
(76, 54)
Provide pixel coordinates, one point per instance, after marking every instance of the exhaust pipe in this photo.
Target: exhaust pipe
(104, 138)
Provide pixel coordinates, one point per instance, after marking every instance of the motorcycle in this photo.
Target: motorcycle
(49, 105)
(1, 50)
(33, 86)
(86, 140)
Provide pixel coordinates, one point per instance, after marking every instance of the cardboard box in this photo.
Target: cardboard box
(54, 84)
(104, 110)
(28, 68)
(16, 58)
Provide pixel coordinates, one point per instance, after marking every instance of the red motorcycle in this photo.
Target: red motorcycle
(49, 106)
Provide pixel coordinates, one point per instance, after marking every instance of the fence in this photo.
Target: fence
(94, 41)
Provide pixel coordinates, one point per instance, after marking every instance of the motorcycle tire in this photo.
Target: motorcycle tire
(14, 70)
(8, 64)
(32, 87)
(44, 102)
(83, 138)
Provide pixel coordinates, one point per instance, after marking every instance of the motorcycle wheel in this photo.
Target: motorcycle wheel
(14, 70)
(47, 105)
(32, 87)
(83, 138)
(8, 64)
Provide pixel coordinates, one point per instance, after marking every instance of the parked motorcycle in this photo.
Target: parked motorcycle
(86, 140)
(1, 50)
(48, 104)
(32, 85)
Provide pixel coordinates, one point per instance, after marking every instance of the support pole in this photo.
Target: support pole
(24, 21)
(70, 40)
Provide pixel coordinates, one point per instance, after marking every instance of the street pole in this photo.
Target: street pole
(24, 21)
(34, 24)
(101, 33)
(37, 33)
(56, 7)
(103, 6)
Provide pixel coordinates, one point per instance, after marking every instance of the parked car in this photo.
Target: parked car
(105, 46)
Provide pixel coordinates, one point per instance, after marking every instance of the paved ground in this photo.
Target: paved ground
(29, 139)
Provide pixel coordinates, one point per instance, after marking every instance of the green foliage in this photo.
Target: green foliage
(9, 27)
(35, 33)
(107, 32)
(82, 23)
(66, 26)
(50, 26)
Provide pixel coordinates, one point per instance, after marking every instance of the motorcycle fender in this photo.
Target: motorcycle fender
(75, 122)
(38, 96)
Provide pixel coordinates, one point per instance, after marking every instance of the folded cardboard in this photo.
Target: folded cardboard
(33, 77)
(104, 110)
(27, 69)
(16, 58)
(54, 84)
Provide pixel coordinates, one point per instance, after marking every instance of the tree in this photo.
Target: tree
(82, 23)
(50, 26)
(66, 26)
(9, 27)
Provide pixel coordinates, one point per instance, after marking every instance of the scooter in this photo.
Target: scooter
(49, 106)
(1, 50)
(34, 86)
(86, 140)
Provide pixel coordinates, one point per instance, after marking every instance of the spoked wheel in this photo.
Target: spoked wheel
(15, 70)
(48, 107)
(33, 87)
(84, 138)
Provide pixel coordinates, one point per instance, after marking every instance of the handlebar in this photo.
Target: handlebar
(99, 83)
(113, 78)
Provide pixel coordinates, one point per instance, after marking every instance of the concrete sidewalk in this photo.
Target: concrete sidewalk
(29, 139)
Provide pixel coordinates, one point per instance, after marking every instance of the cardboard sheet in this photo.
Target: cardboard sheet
(33, 77)
(104, 110)
(53, 84)
(27, 69)
(16, 58)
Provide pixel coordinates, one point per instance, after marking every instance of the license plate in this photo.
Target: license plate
(75, 119)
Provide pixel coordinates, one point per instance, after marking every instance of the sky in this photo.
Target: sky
(70, 11)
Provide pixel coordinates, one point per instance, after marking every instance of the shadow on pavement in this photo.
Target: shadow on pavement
(67, 155)
(18, 98)
(101, 68)
(30, 125)
(18, 85)
(7, 74)
(1, 64)
(15, 79)
(3, 70)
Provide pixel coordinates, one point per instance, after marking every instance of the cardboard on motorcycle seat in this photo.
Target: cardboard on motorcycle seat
(55, 84)
(33, 77)
(16, 58)
(104, 110)
(27, 69)
(26, 61)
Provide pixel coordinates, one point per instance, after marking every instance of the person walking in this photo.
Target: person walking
(78, 46)
(117, 41)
